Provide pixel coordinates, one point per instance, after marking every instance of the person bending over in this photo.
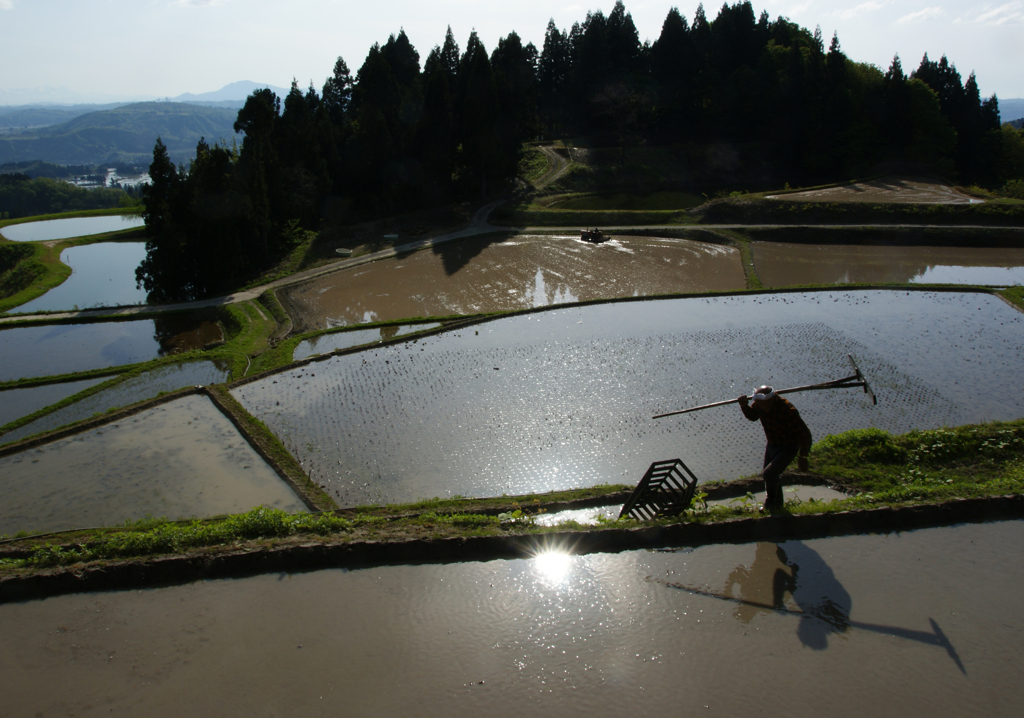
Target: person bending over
(787, 434)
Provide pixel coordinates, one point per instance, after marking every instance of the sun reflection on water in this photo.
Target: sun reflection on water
(553, 565)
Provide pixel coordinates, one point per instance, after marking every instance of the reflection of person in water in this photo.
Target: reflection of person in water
(799, 571)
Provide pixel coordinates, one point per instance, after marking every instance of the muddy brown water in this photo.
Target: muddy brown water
(501, 273)
(144, 386)
(564, 398)
(29, 352)
(782, 264)
(918, 623)
(176, 460)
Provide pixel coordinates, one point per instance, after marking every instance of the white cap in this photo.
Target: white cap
(764, 392)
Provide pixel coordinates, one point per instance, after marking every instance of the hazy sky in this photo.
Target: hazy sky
(107, 49)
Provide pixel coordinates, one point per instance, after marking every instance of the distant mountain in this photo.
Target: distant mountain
(123, 134)
(1011, 109)
(36, 96)
(33, 117)
(235, 92)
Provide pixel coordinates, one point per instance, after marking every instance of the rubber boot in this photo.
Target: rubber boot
(773, 500)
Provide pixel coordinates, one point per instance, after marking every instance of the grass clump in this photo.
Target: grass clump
(157, 536)
(965, 461)
(1014, 295)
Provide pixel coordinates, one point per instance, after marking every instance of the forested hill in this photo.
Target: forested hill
(125, 134)
(405, 132)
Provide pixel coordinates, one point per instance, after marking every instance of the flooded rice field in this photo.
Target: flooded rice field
(103, 275)
(327, 343)
(564, 399)
(783, 264)
(48, 350)
(899, 190)
(917, 623)
(145, 386)
(503, 273)
(67, 228)
(16, 403)
(176, 460)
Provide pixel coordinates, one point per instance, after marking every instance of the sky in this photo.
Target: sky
(107, 50)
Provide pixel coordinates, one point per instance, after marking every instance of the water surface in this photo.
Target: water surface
(176, 460)
(144, 386)
(327, 343)
(103, 275)
(564, 399)
(71, 227)
(782, 264)
(916, 623)
(495, 273)
(16, 403)
(28, 352)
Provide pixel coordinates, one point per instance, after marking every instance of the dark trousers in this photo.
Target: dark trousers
(776, 458)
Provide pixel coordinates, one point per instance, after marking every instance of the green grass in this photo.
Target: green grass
(533, 164)
(535, 216)
(654, 201)
(158, 536)
(1015, 295)
(247, 337)
(941, 463)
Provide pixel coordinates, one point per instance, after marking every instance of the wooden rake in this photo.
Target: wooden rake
(855, 380)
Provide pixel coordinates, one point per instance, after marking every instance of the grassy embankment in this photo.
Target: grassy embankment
(877, 469)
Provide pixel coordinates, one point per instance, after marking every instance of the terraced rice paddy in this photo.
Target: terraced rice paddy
(175, 460)
(917, 623)
(28, 352)
(898, 190)
(783, 264)
(16, 403)
(563, 399)
(145, 386)
(497, 273)
(103, 275)
(51, 229)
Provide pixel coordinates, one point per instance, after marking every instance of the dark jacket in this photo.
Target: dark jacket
(782, 425)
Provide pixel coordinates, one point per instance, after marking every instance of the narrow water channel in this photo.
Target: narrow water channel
(916, 623)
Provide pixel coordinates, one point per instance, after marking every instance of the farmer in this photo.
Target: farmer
(787, 436)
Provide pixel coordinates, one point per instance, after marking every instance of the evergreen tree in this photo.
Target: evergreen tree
(477, 117)
(553, 69)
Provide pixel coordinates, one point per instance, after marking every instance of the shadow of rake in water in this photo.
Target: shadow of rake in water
(935, 638)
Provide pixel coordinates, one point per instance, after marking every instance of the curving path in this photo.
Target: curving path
(557, 165)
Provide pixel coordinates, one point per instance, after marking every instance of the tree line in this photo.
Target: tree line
(400, 135)
(23, 196)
